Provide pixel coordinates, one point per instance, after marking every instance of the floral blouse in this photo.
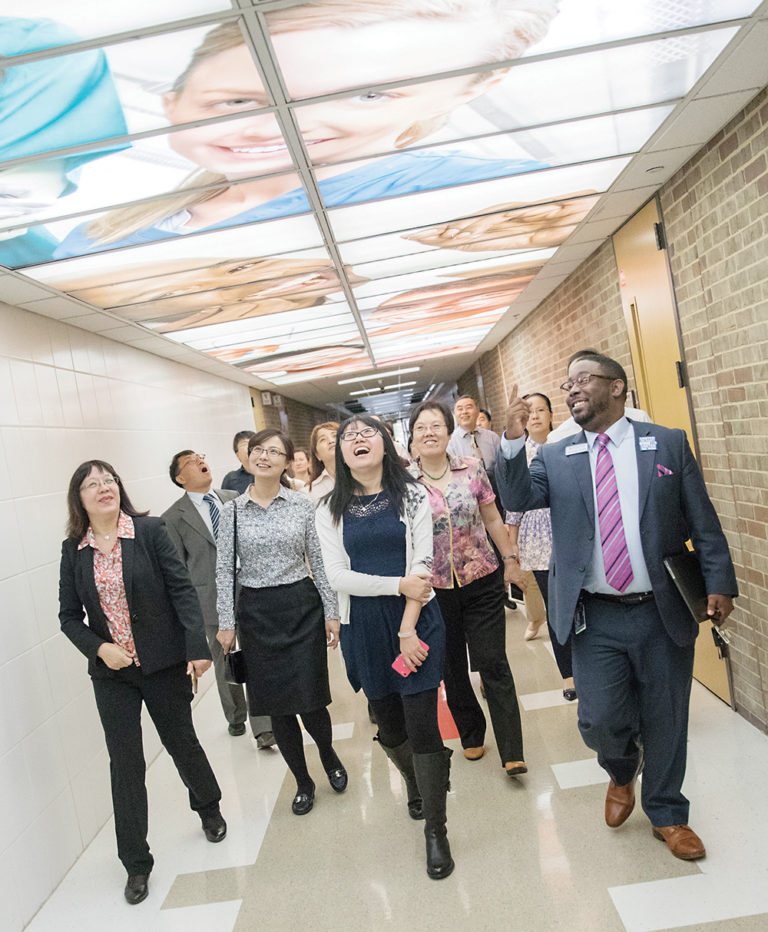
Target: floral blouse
(462, 551)
(534, 539)
(108, 576)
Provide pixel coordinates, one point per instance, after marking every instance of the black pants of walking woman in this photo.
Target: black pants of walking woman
(287, 734)
(562, 652)
(412, 718)
(167, 695)
(475, 619)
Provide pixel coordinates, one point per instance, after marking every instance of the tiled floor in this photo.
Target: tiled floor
(531, 854)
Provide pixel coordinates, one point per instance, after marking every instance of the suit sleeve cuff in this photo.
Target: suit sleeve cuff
(510, 448)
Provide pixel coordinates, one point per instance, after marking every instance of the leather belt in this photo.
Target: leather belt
(633, 598)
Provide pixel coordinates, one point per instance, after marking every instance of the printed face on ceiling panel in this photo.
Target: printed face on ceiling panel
(172, 177)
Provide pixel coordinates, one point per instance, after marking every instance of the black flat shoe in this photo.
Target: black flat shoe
(569, 694)
(215, 827)
(338, 779)
(136, 888)
(303, 802)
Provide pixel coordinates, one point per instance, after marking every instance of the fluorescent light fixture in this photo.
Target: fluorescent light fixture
(367, 391)
(399, 385)
(378, 375)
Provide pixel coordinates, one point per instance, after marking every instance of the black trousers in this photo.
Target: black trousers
(562, 652)
(475, 619)
(167, 695)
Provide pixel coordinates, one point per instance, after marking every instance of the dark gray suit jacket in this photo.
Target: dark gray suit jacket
(673, 508)
(197, 549)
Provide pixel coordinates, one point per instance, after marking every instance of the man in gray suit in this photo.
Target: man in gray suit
(193, 523)
(622, 497)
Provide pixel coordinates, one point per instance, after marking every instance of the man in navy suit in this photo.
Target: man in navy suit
(622, 497)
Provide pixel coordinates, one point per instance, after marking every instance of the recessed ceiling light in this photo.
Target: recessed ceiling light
(378, 375)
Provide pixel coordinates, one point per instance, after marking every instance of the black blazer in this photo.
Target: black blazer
(165, 612)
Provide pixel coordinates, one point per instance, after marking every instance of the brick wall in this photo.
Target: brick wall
(297, 418)
(716, 222)
(585, 311)
(717, 227)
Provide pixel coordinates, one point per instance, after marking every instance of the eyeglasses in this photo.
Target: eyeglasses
(436, 428)
(272, 453)
(585, 379)
(196, 458)
(107, 482)
(365, 433)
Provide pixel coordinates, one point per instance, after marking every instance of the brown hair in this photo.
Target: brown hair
(78, 520)
(266, 434)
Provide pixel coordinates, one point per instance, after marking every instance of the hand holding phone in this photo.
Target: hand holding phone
(400, 666)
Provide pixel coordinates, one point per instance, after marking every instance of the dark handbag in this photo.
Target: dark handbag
(236, 671)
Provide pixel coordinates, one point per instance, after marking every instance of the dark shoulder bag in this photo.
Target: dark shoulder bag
(236, 672)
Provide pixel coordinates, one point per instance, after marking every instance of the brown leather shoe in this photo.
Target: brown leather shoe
(474, 753)
(620, 800)
(515, 767)
(681, 840)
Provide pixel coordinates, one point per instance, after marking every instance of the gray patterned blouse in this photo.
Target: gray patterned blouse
(273, 545)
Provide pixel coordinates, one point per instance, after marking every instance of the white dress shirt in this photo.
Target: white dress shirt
(202, 507)
(622, 449)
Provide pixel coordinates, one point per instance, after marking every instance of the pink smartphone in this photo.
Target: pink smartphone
(400, 666)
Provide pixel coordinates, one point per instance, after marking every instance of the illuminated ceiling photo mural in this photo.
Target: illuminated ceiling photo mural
(303, 190)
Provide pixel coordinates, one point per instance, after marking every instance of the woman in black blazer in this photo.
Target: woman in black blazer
(144, 634)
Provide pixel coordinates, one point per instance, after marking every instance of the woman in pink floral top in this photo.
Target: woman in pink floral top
(469, 586)
(126, 601)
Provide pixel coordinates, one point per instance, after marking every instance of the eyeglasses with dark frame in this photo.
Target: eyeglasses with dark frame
(585, 379)
(365, 434)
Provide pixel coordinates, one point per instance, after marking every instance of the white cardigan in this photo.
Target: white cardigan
(417, 517)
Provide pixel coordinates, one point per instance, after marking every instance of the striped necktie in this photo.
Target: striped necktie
(618, 569)
(213, 508)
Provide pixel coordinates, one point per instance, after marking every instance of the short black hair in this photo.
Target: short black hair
(610, 368)
(240, 436)
(444, 411)
(580, 354)
(173, 469)
(487, 413)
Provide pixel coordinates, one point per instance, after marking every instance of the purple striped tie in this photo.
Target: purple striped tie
(618, 569)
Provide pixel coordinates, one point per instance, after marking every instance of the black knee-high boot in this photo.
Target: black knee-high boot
(402, 758)
(432, 773)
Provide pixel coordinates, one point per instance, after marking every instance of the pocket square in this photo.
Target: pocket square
(663, 471)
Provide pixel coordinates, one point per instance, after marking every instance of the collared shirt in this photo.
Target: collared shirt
(622, 450)
(570, 427)
(203, 508)
(108, 577)
(238, 480)
(274, 545)
(321, 486)
(480, 443)
(461, 547)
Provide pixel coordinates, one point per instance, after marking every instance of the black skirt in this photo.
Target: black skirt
(282, 634)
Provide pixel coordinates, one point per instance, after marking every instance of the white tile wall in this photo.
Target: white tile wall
(67, 395)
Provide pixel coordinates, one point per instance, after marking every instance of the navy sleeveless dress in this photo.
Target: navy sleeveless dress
(375, 543)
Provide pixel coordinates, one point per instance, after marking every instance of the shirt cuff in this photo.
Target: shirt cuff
(510, 448)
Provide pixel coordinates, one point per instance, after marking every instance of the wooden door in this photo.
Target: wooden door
(654, 338)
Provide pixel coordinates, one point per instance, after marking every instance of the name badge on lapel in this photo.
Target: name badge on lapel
(647, 443)
(576, 448)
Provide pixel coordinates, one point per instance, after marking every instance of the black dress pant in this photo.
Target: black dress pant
(475, 619)
(167, 694)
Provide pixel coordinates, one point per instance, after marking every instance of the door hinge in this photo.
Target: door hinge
(661, 238)
(680, 369)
